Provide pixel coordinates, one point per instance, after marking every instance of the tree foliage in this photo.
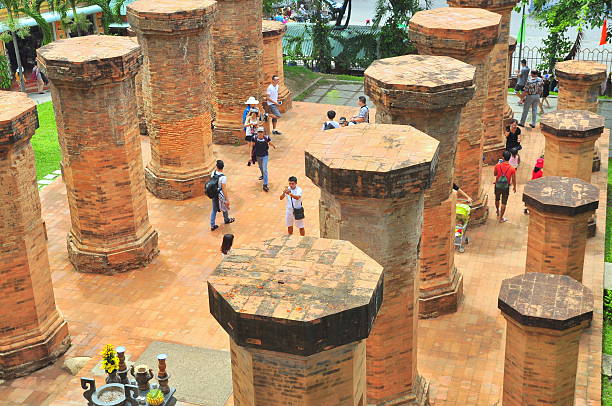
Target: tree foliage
(393, 34)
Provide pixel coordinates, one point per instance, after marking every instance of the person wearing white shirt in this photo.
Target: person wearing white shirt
(273, 103)
(293, 195)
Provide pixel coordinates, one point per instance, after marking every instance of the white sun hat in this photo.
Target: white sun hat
(252, 100)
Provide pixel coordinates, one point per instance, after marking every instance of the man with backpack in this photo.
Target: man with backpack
(330, 124)
(505, 175)
(216, 190)
(364, 112)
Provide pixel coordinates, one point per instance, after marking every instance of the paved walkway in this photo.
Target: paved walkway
(461, 354)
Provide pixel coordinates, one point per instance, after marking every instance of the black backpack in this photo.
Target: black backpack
(328, 126)
(212, 186)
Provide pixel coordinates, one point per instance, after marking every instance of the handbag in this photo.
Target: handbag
(298, 213)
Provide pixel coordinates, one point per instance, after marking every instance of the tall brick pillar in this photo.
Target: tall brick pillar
(428, 93)
(579, 84)
(545, 315)
(466, 34)
(92, 85)
(570, 137)
(298, 316)
(273, 32)
(178, 84)
(238, 53)
(559, 212)
(372, 196)
(32, 331)
(142, 121)
(496, 108)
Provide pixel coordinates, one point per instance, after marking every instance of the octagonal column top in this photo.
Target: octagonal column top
(297, 296)
(577, 72)
(561, 195)
(572, 124)
(550, 301)
(491, 5)
(90, 60)
(271, 28)
(18, 118)
(170, 16)
(380, 161)
(420, 81)
(455, 31)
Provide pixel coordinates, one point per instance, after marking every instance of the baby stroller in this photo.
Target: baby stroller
(462, 219)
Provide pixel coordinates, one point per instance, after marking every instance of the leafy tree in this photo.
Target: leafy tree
(14, 30)
(5, 73)
(321, 32)
(77, 24)
(393, 35)
(111, 11)
(31, 8)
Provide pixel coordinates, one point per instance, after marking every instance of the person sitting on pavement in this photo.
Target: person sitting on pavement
(364, 112)
(330, 124)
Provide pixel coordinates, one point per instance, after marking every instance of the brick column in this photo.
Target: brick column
(579, 85)
(177, 83)
(273, 32)
(545, 315)
(496, 106)
(559, 212)
(33, 333)
(238, 53)
(92, 85)
(142, 121)
(372, 196)
(570, 137)
(297, 317)
(469, 36)
(428, 93)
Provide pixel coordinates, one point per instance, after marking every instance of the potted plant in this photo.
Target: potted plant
(155, 397)
(110, 363)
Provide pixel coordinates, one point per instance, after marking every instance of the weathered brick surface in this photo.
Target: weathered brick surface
(469, 36)
(372, 178)
(142, 121)
(496, 105)
(178, 87)
(428, 93)
(560, 209)
(570, 138)
(297, 314)
(273, 32)
(92, 86)
(32, 331)
(238, 54)
(545, 316)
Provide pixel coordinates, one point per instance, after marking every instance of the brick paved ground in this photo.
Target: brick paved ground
(462, 353)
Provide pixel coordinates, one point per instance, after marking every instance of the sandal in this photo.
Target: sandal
(230, 220)
(503, 220)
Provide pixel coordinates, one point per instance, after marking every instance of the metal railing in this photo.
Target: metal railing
(534, 57)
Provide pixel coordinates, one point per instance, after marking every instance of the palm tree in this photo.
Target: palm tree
(12, 11)
(78, 23)
(31, 8)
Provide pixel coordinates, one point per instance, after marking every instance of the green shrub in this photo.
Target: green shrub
(5, 73)
(607, 306)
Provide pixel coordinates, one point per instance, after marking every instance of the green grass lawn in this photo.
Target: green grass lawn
(46, 147)
(298, 78)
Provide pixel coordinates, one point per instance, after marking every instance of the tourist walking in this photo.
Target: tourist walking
(330, 124)
(294, 211)
(523, 75)
(513, 136)
(260, 150)
(217, 191)
(364, 112)
(273, 103)
(533, 91)
(545, 93)
(505, 175)
(40, 83)
(515, 159)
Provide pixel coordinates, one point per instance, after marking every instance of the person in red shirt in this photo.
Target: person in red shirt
(505, 175)
(538, 171)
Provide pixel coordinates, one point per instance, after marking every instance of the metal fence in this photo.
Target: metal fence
(534, 57)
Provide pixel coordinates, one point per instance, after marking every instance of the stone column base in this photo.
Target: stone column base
(493, 153)
(225, 134)
(176, 189)
(34, 351)
(114, 260)
(443, 300)
(480, 210)
(419, 397)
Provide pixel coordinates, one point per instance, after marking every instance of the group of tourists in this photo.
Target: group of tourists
(533, 90)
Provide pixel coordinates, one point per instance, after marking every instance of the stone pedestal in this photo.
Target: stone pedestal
(496, 107)
(238, 54)
(570, 136)
(298, 316)
(273, 32)
(92, 85)
(177, 85)
(372, 196)
(559, 212)
(32, 331)
(579, 85)
(466, 34)
(545, 316)
(428, 93)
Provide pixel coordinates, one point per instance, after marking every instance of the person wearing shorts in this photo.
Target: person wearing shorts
(504, 168)
(293, 195)
(273, 103)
